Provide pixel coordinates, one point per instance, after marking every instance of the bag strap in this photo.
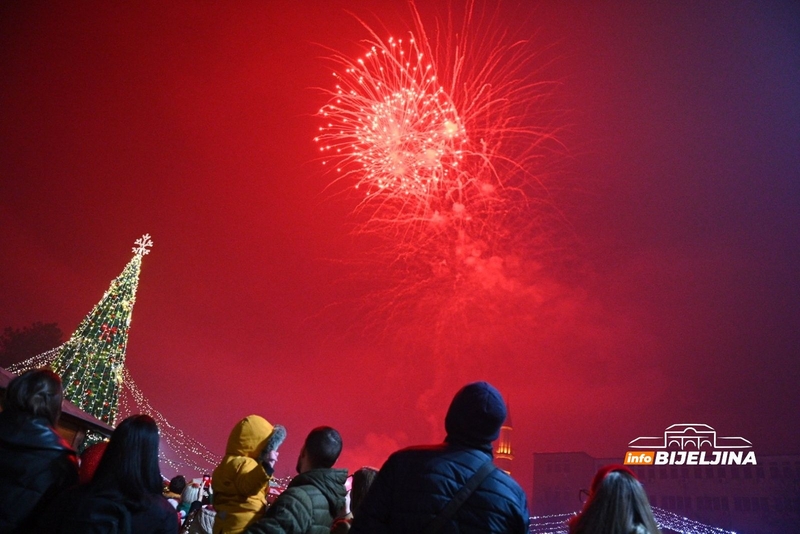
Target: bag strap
(459, 498)
(186, 527)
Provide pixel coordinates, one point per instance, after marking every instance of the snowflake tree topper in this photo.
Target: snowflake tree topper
(143, 242)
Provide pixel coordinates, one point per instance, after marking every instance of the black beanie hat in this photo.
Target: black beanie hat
(475, 415)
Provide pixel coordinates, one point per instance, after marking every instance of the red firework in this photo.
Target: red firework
(443, 135)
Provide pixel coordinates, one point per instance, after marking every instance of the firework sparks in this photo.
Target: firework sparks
(443, 139)
(394, 123)
(432, 138)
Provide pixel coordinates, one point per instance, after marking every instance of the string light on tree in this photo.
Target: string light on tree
(89, 363)
(95, 378)
(678, 523)
(557, 524)
(192, 454)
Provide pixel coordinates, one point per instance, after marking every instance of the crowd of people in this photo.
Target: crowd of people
(116, 486)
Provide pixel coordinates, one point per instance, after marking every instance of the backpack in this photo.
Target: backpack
(199, 521)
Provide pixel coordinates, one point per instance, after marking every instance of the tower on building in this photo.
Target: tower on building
(503, 453)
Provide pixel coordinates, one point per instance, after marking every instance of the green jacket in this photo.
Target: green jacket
(308, 506)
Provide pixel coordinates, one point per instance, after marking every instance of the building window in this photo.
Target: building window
(685, 472)
(671, 502)
(653, 500)
(721, 473)
(698, 472)
(737, 503)
(715, 504)
(724, 503)
(759, 471)
(688, 502)
(764, 504)
(662, 473)
(734, 472)
(709, 472)
(756, 506)
(748, 471)
(679, 503)
(787, 471)
(673, 472)
(746, 504)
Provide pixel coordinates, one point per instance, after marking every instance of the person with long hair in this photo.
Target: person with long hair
(362, 479)
(35, 462)
(125, 491)
(617, 504)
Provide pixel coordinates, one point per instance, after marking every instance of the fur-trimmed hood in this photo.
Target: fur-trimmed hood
(252, 434)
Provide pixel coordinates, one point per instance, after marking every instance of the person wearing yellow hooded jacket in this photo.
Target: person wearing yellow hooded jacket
(241, 481)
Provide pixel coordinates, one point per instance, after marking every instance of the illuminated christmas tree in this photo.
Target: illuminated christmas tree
(91, 363)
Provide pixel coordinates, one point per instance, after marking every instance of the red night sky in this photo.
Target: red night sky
(669, 293)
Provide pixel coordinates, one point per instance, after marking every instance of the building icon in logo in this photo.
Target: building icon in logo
(687, 436)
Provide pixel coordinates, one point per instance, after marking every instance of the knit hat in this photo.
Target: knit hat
(475, 415)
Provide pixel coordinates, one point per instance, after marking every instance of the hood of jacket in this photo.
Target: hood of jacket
(330, 482)
(18, 430)
(249, 436)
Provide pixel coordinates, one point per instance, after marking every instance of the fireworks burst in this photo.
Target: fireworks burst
(436, 136)
(444, 139)
(394, 125)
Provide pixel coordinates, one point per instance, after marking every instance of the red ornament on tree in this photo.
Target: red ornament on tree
(108, 332)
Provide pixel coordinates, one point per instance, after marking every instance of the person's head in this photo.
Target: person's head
(130, 462)
(321, 449)
(250, 436)
(191, 493)
(362, 480)
(617, 504)
(475, 416)
(177, 484)
(35, 393)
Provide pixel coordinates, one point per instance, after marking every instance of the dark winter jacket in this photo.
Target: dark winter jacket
(88, 509)
(415, 484)
(308, 506)
(35, 464)
(156, 517)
